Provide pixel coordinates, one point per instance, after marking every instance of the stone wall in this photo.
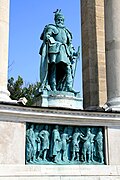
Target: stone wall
(12, 143)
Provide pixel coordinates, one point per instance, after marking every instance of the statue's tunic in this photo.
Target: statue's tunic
(56, 142)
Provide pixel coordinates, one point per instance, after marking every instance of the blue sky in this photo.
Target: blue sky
(27, 20)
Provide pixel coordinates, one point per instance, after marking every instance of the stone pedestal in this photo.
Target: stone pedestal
(59, 99)
(112, 37)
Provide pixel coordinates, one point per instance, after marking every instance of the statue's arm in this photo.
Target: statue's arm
(74, 54)
(49, 32)
(41, 135)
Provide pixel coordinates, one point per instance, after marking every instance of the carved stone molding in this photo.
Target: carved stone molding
(58, 116)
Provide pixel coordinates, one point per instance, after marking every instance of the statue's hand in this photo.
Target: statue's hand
(76, 55)
(47, 37)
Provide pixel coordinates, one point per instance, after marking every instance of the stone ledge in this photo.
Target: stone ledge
(56, 170)
(59, 116)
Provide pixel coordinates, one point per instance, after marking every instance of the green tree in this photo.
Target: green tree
(18, 90)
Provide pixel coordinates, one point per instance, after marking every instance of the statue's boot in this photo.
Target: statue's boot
(69, 89)
(53, 87)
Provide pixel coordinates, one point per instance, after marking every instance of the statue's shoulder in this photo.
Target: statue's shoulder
(68, 32)
(53, 28)
(49, 27)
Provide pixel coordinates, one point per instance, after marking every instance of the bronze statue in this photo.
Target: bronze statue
(57, 56)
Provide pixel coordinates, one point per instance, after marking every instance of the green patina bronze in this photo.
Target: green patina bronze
(48, 144)
(58, 57)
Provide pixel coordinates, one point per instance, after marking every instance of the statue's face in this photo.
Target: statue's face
(32, 126)
(76, 130)
(56, 127)
(59, 22)
(46, 127)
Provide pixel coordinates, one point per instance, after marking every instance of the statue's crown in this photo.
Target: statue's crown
(58, 14)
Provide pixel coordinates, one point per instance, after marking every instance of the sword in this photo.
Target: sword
(75, 62)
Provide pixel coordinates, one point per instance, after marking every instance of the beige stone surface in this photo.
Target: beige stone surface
(4, 36)
(4, 30)
(99, 3)
(114, 145)
(54, 172)
(12, 143)
(93, 54)
(24, 114)
(112, 38)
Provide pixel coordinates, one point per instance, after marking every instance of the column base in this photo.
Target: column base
(112, 105)
(94, 108)
(5, 96)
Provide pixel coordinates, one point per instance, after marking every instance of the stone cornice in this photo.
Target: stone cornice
(58, 116)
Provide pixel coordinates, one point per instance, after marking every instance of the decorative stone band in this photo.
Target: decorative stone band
(58, 116)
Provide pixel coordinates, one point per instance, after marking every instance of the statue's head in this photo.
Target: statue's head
(100, 129)
(76, 129)
(32, 126)
(56, 127)
(59, 18)
(88, 130)
(46, 127)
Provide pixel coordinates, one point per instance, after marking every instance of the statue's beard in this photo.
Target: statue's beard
(60, 25)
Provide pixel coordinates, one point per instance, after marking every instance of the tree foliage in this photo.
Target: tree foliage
(18, 90)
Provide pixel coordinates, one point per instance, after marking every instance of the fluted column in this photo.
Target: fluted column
(93, 54)
(4, 36)
(112, 38)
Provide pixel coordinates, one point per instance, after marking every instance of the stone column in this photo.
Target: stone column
(4, 35)
(112, 37)
(93, 54)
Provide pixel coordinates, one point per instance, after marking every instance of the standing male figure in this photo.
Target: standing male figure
(57, 54)
(56, 145)
(75, 144)
(30, 145)
(88, 146)
(44, 135)
(99, 139)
